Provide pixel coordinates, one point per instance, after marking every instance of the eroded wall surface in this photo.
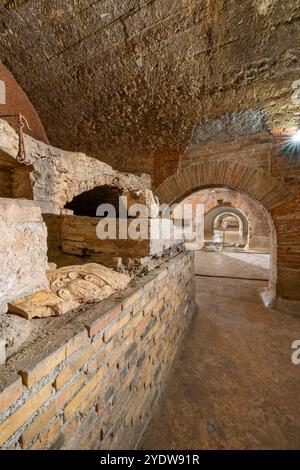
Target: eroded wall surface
(129, 79)
(58, 176)
(23, 249)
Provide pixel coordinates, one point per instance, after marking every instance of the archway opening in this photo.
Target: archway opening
(86, 203)
(228, 228)
(239, 237)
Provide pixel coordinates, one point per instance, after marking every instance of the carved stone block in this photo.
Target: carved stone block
(70, 287)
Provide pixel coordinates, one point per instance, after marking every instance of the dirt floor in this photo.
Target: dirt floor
(233, 384)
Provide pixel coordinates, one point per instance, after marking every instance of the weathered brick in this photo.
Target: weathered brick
(76, 342)
(19, 417)
(10, 393)
(71, 389)
(132, 363)
(37, 425)
(33, 374)
(148, 328)
(92, 366)
(151, 305)
(63, 377)
(48, 436)
(67, 431)
(65, 374)
(96, 325)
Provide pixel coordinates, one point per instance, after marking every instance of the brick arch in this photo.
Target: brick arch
(211, 215)
(267, 190)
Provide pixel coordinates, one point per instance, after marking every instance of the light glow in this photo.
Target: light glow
(296, 137)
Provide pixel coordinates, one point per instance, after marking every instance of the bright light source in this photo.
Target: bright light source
(296, 137)
(291, 144)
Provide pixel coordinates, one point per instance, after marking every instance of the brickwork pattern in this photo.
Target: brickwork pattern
(96, 387)
(257, 166)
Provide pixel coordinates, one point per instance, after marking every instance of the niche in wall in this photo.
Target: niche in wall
(86, 203)
(14, 178)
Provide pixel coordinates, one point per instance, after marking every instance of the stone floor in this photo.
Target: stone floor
(232, 264)
(232, 385)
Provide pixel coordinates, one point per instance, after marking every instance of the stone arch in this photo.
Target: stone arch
(58, 176)
(218, 219)
(87, 202)
(268, 191)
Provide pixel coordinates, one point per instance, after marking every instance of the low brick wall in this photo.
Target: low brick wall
(93, 382)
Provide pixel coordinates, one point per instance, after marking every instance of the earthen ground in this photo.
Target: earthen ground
(233, 384)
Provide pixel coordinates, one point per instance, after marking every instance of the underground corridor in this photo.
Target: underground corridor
(233, 384)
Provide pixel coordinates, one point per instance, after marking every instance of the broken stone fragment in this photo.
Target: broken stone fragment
(2, 351)
(3, 308)
(40, 305)
(52, 266)
(70, 287)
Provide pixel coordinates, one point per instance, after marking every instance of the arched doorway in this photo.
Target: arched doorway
(237, 222)
(229, 227)
(271, 194)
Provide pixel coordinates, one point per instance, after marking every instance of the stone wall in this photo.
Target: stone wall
(58, 176)
(79, 237)
(93, 382)
(23, 249)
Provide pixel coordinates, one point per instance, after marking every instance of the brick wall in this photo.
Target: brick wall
(258, 166)
(16, 101)
(254, 150)
(93, 382)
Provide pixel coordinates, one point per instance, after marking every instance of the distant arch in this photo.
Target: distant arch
(268, 191)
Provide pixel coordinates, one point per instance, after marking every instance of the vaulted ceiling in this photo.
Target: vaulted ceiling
(123, 79)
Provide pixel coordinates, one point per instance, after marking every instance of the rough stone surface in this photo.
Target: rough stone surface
(59, 176)
(23, 249)
(230, 126)
(79, 237)
(2, 351)
(69, 288)
(130, 78)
